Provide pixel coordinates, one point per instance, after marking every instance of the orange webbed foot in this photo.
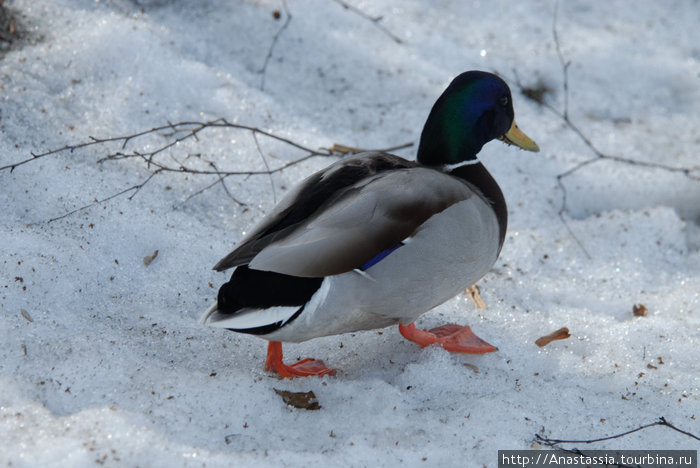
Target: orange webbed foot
(303, 368)
(453, 338)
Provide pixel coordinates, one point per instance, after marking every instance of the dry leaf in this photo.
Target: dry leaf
(26, 315)
(561, 334)
(149, 258)
(639, 310)
(475, 294)
(343, 149)
(472, 367)
(301, 400)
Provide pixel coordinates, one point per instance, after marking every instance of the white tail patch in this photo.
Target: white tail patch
(248, 318)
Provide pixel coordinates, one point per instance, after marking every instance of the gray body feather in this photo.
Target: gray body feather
(330, 231)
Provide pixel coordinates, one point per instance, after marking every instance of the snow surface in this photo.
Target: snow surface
(112, 369)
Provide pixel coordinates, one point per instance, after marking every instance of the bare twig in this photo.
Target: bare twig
(220, 180)
(598, 155)
(376, 20)
(565, 64)
(186, 130)
(160, 160)
(262, 156)
(134, 188)
(473, 292)
(344, 149)
(660, 422)
(263, 70)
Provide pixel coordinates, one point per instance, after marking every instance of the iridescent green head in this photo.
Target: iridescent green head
(475, 108)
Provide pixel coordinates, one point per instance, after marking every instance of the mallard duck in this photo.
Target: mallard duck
(376, 240)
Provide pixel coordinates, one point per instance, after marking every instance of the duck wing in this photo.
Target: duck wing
(306, 198)
(343, 216)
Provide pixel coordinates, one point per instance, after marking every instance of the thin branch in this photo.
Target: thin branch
(188, 129)
(660, 422)
(342, 149)
(564, 221)
(262, 156)
(564, 114)
(221, 181)
(95, 202)
(538, 96)
(376, 20)
(270, 50)
(394, 148)
(230, 195)
(564, 63)
(160, 158)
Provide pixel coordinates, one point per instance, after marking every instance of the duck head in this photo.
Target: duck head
(476, 108)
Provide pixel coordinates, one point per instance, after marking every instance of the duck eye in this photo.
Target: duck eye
(503, 100)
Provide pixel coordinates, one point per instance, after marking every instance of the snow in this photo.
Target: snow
(113, 369)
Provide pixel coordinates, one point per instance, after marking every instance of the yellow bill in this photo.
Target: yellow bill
(516, 137)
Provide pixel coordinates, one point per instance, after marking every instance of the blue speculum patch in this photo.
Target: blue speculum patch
(379, 257)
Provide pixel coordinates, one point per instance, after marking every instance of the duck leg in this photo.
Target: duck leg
(303, 368)
(451, 337)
